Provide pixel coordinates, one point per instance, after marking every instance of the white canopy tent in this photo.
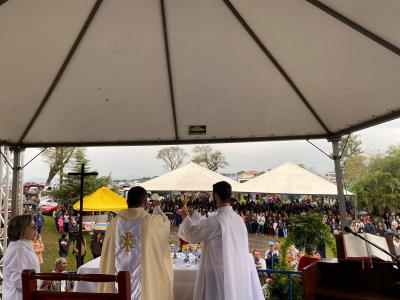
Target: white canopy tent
(189, 178)
(122, 72)
(289, 178)
(129, 72)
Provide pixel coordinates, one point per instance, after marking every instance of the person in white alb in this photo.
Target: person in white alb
(137, 241)
(19, 255)
(226, 270)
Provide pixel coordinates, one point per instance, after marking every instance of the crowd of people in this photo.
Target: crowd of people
(268, 216)
(66, 223)
(271, 216)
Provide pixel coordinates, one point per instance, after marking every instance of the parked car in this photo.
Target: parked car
(47, 202)
(48, 210)
(28, 185)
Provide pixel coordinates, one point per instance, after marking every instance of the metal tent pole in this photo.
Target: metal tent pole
(339, 182)
(3, 211)
(16, 207)
(4, 194)
(21, 179)
(5, 191)
(6, 212)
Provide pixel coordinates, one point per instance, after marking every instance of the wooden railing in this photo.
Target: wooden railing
(30, 292)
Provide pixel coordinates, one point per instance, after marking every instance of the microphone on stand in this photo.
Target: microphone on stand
(347, 229)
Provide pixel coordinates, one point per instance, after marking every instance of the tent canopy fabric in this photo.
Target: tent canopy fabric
(289, 178)
(189, 178)
(103, 199)
(143, 72)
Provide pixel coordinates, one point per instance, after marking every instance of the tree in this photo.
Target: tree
(172, 157)
(378, 189)
(354, 168)
(390, 162)
(57, 158)
(353, 147)
(378, 192)
(205, 156)
(349, 146)
(70, 191)
(308, 231)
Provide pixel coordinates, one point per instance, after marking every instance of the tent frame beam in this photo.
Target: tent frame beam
(320, 150)
(167, 56)
(273, 60)
(357, 27)
(376, 121)
(373, 122)
(61, 70)
(167, 142)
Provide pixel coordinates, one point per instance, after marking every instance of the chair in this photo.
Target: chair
(30, 292)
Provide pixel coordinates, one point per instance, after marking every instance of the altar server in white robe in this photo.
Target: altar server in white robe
(226, 271)
(137, 241)
(19, 255)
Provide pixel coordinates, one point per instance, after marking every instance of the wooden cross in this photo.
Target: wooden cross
(82, 175)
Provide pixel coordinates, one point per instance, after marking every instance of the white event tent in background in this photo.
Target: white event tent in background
(289, 178)
(189, 178)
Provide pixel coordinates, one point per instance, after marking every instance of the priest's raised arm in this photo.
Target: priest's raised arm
(196, 229)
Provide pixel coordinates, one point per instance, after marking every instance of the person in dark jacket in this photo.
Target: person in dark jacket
(63, 245)
(73, 231)
(369, 227)
(96, 244)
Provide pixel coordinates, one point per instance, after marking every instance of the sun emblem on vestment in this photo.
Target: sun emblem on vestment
(127, 242)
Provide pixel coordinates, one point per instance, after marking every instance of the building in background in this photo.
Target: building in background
(244, 176)
(330, 176)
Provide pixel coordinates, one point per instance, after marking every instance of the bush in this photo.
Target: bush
(277, 287)
(307, 232)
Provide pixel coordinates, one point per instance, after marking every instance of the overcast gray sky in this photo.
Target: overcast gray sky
(137, 162)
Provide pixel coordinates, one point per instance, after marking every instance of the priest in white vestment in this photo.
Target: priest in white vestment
(137, 241)
(226, 270)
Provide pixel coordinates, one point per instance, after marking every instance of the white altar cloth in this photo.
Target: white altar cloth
(184, 278)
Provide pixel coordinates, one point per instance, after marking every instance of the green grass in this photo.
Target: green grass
(50, 238)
